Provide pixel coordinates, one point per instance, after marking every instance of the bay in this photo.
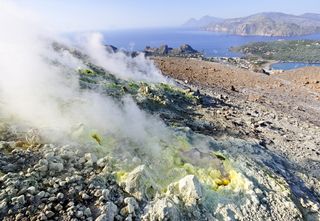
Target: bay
(292, 65)
(210, 43)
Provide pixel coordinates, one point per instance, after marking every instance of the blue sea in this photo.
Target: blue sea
(292, 65)
(212, 44)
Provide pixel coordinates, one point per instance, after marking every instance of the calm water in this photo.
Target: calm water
(212, 44)
(292, 65)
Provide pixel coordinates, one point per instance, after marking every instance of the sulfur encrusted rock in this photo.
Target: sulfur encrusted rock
(190, 189)
(140, 183)
(163, 209)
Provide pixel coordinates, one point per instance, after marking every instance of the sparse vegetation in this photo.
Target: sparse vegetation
(287, 51)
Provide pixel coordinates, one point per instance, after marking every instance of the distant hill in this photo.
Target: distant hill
(311, 16)
(269, 24)
(202, 22)
(286, 51)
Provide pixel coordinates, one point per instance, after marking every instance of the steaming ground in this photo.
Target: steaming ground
(88, 134)
(128, 68)
(40, 86)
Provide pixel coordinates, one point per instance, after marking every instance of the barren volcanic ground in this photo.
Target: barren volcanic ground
(281, 111)
(294, 92)
(213, 143)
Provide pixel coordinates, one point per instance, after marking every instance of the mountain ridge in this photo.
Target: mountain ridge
(266, 24)
(201, 22)
(311, 16)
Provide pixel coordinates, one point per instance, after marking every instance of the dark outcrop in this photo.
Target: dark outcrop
(111, 48)
(184, 50)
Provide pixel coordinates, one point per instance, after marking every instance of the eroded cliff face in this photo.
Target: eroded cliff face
(267, 24)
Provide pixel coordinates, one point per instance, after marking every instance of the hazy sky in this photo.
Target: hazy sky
(71, 15)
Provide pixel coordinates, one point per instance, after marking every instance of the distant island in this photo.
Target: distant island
(262, 24)
(184, 50)
(202, 22)
(286, 51)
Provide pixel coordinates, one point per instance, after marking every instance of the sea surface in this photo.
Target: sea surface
(212, 44)
(292, 65)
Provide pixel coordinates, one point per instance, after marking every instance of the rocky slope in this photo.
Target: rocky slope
(303, 77)
(231, 150)
(278, 111)
(268, 24)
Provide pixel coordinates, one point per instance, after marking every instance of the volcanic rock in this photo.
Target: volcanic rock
(190, 189)
(163, 209)
(184, 50)
(140, 183)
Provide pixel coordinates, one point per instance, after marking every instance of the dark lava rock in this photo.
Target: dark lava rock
(184, 50)
(111, 48)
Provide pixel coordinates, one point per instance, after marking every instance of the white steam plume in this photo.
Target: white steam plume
(41, 95)
(120, 64)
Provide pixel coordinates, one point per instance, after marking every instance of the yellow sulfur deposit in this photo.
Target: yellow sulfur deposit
(97, 138)
(121, 176)
(238, 182)
(211, 178)
(214, 179)
(208, 176)
(86, 71)
(222, 181)
(22, 144)
(171, 167)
